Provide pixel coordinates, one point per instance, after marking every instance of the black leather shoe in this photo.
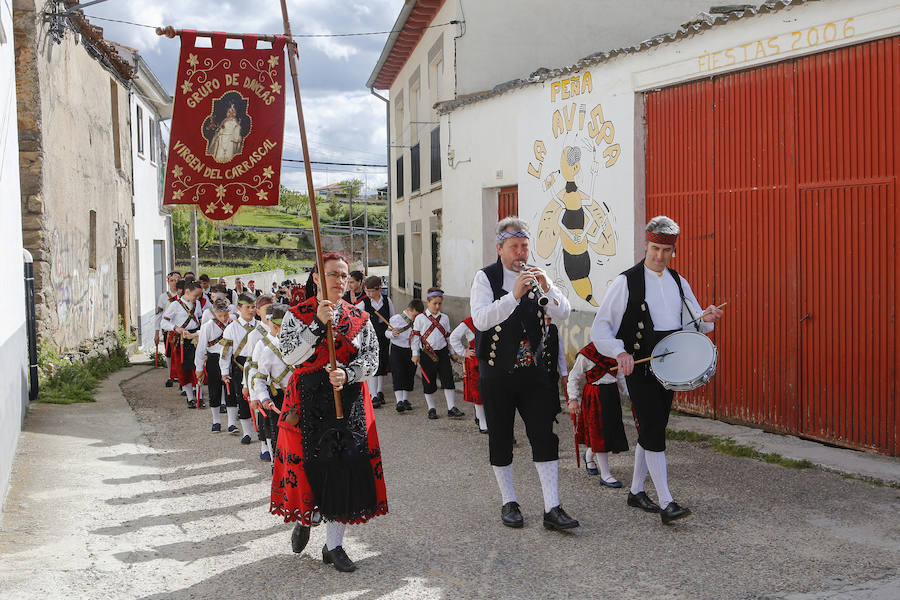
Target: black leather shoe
(673, 512)
(191, 404)
(432, 413)
(642, 500)
(559, 520)
(299, 538)
(511, 515)
(401, 407)
(407, 404)
(455, 413)
(338, 558)
(170, 382)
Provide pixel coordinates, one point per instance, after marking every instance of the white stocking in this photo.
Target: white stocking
(548, 472)
(334, 534)
(429, 398)
(656, 462)
(640, 470)
(482, 419)
(450, 397)
(504, 477)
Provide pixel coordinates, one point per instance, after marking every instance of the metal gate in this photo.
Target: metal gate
(784, 181)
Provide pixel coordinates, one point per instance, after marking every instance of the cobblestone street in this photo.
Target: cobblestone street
(132, 497)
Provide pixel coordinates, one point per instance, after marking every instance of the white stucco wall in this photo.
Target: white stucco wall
(13, 338)
(149, 222)
(493, 141)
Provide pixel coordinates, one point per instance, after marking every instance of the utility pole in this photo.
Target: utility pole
(221, 250)
(366, 213)
(352, 256)
(195, 259)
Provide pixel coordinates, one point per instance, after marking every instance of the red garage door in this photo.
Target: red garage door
(783, 179)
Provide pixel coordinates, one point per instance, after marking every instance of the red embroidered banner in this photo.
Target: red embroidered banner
(227, 126)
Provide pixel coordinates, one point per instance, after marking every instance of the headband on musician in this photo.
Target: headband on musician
(501, 237)
(434, 294)
(662, 230)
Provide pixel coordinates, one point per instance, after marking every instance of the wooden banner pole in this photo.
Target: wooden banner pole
(292, 58)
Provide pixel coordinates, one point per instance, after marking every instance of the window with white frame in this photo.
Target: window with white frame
(139, 128)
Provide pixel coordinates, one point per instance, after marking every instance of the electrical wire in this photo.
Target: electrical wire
(298, 35)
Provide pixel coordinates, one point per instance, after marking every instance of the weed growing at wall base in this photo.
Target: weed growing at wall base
(732, 448)
(66, 383)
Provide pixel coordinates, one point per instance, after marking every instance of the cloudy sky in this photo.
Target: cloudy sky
(344, 123)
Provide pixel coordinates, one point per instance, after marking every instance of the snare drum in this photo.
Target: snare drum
(692, 364)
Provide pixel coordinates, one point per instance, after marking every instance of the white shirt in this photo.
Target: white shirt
(662, 300)
(208, 331)
(460, 338)
(176, 315)
(162, 303)
(268, 367)
(235, 334)
(259, 332)
(435, 339)
(577, 377)
(561, 356)
(377, 305)
(487, 312)
(399, 321)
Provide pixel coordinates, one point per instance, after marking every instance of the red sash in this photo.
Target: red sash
(602, 364)
(349, 323)
(471, 325)
(222, 327)
(190, 313)
(435, 324)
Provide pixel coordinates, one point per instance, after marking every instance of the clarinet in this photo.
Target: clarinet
(542, 298)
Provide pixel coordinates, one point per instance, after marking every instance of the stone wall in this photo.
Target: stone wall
(75, 157)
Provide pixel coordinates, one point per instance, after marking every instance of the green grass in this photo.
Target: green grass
(73, 383)
(262, 216)
(732, 448)
(290, 266)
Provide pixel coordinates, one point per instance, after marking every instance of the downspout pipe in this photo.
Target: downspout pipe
(31, 327)
(387, 143)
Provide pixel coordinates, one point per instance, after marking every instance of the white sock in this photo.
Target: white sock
(379, 384)
(334, 534)
(589, 456)
(429, 398)
(189, 390)
(479, 412)
(232, 415)
(640, 470)
(602, 460)
(504, 477)
(656, 463)
(548, 472)
(263, 447)
(450, 397)
(372, 385)
(247, 426)
(398, 395)
(215, 413)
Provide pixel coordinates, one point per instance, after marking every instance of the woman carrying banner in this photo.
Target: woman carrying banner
(325, 466)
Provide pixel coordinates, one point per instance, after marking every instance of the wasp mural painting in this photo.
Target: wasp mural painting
(574, 225)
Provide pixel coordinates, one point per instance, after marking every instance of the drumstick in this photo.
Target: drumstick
(380, 316)
(424, 376)
(704, 313)
(649, 358)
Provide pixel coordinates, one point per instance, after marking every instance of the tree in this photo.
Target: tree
(292, 201)
(350, 188)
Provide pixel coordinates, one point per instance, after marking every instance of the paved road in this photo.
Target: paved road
(137, 499)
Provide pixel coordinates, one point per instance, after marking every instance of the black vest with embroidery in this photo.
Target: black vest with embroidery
(550, 356)
(497, 347)
(385, 311)
(636, 329)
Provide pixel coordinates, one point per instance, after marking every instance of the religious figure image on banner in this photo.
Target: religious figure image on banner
(226, 132)
(227, 125)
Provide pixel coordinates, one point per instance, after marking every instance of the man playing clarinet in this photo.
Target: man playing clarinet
(507, 312)
(642, 306)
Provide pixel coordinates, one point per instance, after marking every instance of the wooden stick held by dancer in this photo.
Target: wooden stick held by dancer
(648, 359)
(292, 59)
(704, 313)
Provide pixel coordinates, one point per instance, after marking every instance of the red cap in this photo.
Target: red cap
(662, 238)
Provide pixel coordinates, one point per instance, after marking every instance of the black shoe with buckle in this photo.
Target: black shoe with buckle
(642, 500)
(559, 520)
(299, 538)
(511, 516)
(673, 512)
(338, 558)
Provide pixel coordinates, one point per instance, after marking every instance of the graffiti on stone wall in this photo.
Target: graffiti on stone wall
(83, 296)
(564, 192)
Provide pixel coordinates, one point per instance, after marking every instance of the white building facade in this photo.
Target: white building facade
(150, 105)
(13, 332)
